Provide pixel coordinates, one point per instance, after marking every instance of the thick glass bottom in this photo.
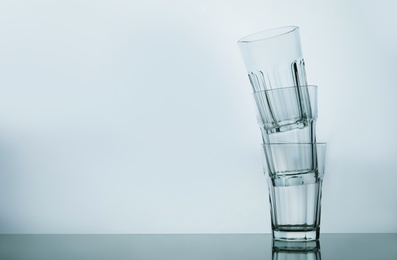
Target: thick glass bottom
(296, 235)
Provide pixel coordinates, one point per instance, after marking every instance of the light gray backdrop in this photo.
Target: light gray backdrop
(137, 116)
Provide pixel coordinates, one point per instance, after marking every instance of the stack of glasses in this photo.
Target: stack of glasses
(287, 114)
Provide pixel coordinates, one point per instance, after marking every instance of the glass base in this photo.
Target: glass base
(296, 235)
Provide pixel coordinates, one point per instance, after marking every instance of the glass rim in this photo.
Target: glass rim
(268, 34)
(286, 88)
(295, 144)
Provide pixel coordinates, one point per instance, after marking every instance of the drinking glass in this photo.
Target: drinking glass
(295, 174)
(273, 58)
(287, 114)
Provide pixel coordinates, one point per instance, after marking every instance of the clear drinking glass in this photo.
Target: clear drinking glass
(273, 58)
(287, 114)
(295, 174)
(301, 250)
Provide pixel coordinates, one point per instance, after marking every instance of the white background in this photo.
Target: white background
(137, 116)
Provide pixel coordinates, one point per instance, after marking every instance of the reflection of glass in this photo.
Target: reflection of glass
(273, 58)
(295, 174)
(287, 114)
(283, 250)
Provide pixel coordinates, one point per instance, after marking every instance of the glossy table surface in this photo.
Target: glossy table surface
(195, 246)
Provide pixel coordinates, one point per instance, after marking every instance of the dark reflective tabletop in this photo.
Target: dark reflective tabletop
(212, 246)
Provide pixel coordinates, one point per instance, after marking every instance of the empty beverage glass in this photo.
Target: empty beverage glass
(273, 58)
(287, 114)
(295, 174)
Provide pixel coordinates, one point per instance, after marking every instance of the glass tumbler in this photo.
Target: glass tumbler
(287, 114)
(273, 58)
(295, 174)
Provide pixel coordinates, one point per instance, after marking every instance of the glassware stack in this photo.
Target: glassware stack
(286, 109)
